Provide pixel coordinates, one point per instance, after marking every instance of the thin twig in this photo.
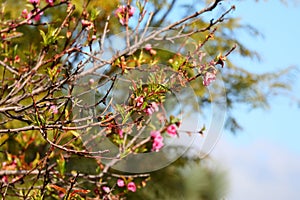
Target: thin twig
(9, 68)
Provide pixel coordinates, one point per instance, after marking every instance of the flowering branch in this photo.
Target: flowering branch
(69, 98)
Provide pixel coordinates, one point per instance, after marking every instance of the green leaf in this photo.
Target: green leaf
(36, 160)
(139, 5)
(61, 164)
(126, 117)
(94, 14)
(75, 133)
(45, 41)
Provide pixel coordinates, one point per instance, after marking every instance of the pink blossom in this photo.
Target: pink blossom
(153, 107)
(14, 164)
(91, 81)
(25, 14)
(17, 59)
(54, 109)
(157, 144)
(50, 2)
(139, 101)
(154, 134)
(157, 141)
(148, 47)
(122, 11)
(106, 189)
(87, 24)
(34, 1)
(120, 14)
(131, 11)
(120, 183)
(37, 17)
(61, 194)
(149, 110)
(4, 179)
(172, 130)
(208, 78)
(131, 187)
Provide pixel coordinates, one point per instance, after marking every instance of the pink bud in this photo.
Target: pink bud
(172, 130)
(91, 81)
(37, 17)
(50, 2)
(25, 14)
(106, 189)
(87, 24)
(131, 187)
(17, 59)
(148, 47)
(120, 183)
(4, 179)
(54, 109)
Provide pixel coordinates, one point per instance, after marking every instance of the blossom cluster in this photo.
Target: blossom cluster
(130, 186)
(121, 183)
(123, 13)
(208, 78)
(36, 12)
(28, 15)
(158, 140)
(150, 108)
(55, 115)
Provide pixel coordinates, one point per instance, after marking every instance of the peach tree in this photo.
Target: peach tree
(95, 95)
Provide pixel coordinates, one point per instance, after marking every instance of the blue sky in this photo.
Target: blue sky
(263, 161)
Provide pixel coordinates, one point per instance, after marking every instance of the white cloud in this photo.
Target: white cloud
(259, 170)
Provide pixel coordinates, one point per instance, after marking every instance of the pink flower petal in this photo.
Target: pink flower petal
(34, 1)
(139, 101)
(106, 189)
(131, 187)
(54, 109)
(208, 78)
(172, 130)
(120, 183)
(157, 141)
